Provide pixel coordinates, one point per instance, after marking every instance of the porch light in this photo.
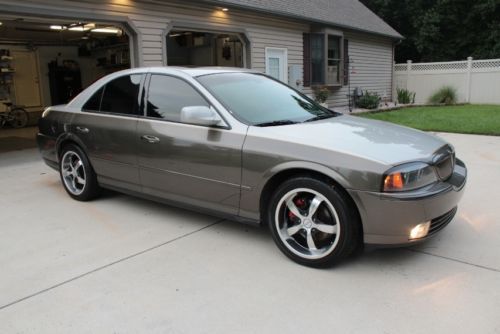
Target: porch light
(420, 231)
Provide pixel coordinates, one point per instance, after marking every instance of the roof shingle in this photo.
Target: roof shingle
(350, 14)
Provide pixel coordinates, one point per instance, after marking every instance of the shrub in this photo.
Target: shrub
(405, 96)
(445, 95)
(369, 100)
(321, 94)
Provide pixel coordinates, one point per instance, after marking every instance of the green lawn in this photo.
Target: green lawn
(475, 119)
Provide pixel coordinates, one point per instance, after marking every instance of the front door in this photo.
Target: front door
(277, 64)
(107, 127)
(189, 164)
(26, 80)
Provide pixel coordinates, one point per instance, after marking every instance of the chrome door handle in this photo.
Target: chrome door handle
(151, 139)
(82, 129)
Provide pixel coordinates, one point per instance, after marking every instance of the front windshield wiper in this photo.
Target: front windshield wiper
(317, 118)
(275, 123)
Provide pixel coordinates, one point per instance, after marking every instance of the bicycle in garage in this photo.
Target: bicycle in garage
(15, 116)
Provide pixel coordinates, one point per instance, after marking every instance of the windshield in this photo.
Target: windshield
(257, 100)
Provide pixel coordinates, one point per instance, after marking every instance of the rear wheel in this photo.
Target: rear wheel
(312, 222)
(18, 118)
(77, 175)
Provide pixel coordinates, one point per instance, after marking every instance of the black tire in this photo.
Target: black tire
(85, 191)
(333, 225)
(19, 118)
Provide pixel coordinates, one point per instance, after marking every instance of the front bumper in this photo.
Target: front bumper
(389, 217)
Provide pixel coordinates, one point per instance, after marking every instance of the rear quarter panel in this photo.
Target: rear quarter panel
(52, 129)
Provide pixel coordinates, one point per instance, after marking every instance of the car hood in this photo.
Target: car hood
(379, 141)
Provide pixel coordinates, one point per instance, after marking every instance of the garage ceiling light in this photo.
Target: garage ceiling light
(74, 27)
(85, 27)
(107, 30)
(88, 27)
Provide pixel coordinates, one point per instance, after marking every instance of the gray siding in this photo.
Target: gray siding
(150, 21)
(372, 62)
(371, 67)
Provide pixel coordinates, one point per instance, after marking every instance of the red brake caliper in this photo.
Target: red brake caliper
(299, 202)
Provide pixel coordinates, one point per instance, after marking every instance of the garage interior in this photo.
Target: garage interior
(196, 48)
(46, 62)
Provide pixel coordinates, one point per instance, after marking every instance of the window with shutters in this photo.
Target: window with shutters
(325, 59)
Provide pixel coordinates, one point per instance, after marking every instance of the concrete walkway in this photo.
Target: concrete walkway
(124, 265)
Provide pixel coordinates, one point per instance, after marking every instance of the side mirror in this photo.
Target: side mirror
(200, 115)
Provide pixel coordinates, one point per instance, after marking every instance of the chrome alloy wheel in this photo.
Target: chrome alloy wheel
(307, 223)
(73, 172)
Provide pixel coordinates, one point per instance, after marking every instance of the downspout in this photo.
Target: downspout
(393, 89)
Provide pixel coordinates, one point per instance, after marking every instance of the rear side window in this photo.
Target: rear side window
(168, 95)
(120, 96)
(94, 103)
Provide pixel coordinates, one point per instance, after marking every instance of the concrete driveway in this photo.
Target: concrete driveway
(125, 265)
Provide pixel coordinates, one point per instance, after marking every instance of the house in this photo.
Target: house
(55, 48)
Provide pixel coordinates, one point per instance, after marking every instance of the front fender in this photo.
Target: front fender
(251, 194)
(303, 165)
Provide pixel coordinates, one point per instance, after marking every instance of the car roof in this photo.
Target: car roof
(191, 71)
(78, 101)
(199, 71)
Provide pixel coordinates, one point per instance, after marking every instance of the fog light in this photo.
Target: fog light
(420, 231)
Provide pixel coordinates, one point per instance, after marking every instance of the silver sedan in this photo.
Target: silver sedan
(237, 144)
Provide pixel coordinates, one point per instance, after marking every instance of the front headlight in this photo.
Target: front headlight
(409, 177)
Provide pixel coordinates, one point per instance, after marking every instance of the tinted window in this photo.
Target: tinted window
(168, 95)
(94, 103)
(257, 99)
(121, 96)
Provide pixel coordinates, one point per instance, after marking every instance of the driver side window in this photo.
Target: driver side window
(168, 95)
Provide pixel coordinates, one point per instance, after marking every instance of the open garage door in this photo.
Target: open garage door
(46, 62)
(197, 48)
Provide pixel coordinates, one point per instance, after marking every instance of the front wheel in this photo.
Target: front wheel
(313, 222)
(18, 118)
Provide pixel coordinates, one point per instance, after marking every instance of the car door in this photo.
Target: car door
(190, 164)
(107, 128)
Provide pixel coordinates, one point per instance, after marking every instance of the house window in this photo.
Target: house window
(317, 59)
(324, 56)
(333, 61)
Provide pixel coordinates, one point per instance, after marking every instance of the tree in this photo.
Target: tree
(442, 30)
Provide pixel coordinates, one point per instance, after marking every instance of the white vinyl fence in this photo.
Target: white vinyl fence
(476, 81)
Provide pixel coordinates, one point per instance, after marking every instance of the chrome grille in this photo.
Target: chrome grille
(437, 224)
